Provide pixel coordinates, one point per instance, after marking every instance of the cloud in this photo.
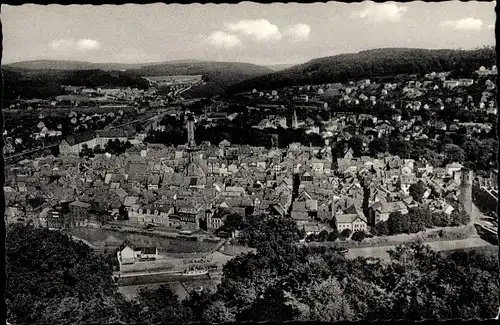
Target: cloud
(463, 24)
(382, 12)
(88, 44)
(259, 30)
(299, 32)
(492, 26)
(71, 45)
(223, 39)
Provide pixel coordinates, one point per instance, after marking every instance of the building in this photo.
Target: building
(295, 121)
(129, 253)
(380, 211)
(190, 130)
(465, 197)
(78, 214)
(352, 221)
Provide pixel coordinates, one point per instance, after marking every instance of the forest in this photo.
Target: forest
(372, 63)
(43, 84)
(52, 279)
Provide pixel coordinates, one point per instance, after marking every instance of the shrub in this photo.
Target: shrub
(346, 233)
(358, 236)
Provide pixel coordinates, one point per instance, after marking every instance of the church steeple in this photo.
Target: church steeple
(295, 121)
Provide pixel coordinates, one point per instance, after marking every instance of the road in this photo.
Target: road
(30, 151)
(381, 252)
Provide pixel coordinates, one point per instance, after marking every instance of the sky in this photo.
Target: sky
(263, 34)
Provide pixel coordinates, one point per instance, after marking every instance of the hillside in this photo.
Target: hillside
(43, 79)
(43, 84)
(372, 63)
(223, 74)
(279, 67)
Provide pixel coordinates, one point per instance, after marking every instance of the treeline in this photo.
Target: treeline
(29, 84)
(418, 219)
(373, 63)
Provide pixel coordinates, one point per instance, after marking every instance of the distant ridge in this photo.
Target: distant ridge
(83, 65)
(44, 78)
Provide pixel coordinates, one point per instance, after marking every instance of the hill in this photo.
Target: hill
(279, 67)
(82, 65)
(372, 63)
(217, 75)
(43, 79)
(43, 84)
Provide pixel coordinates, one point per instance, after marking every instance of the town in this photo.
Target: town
(346, 186)
(228, 163)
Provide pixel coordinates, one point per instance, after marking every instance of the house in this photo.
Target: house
(299, 212)
(353, 220)
(78, 213)
(129, 253)
(150, 214)
(380, 211)
(450, 84)
(74, 144)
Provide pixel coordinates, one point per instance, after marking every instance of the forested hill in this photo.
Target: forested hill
(372, 63)
(224, 74)
(29, 80)
(43, 84)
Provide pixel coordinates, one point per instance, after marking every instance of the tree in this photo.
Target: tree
(356, 144)
(270, 234)
(323, 301)
(122, 213)
(358, 235)
(218, 312)
(160, 306)
(53, 279)
(454, 153)
(232, 222)
(398, 223)
(417, 191)
(333, 235)
(459, 217)
(382, 229)
(322, 236)
(378, 145)
(346, 233)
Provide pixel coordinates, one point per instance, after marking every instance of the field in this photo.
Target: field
(171, 80)
(112, 239)
(130, 291)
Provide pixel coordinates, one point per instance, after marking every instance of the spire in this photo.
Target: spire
(295, 121)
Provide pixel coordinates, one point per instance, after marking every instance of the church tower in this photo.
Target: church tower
(466, 190)
(295, 121)
(190, 130)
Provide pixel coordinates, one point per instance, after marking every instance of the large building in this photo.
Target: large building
(190, 130)
(465, 198)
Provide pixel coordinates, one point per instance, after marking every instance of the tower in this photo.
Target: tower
(295, 121)
(190, 130)
(465, 198)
